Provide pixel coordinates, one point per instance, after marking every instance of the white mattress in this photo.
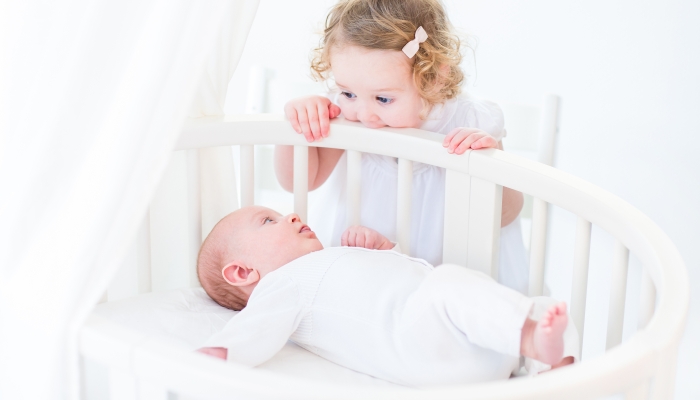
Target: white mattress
(185, 318)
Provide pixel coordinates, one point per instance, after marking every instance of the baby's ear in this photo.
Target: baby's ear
(236, 273)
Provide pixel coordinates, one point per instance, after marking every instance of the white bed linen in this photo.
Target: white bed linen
(185, 318)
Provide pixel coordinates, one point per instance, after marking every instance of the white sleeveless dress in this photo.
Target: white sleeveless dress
(379, 193)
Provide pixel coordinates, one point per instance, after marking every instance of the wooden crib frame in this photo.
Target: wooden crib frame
(641, 368)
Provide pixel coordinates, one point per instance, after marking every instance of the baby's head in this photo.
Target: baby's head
(356, 29)
(245, 246)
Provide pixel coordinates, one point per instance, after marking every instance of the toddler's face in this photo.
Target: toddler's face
(376, 87)
(266, 240)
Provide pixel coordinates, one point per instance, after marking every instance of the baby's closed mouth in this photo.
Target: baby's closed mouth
(304, 228)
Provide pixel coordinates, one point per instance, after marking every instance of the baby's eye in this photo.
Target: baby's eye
(348, 95)
(384, 100)
(268, 219)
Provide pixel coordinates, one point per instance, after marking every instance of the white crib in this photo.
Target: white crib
(643, 367)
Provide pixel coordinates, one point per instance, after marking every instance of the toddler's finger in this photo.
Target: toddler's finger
(448, 138)
(333, 110)
(457, 139)
(323, 119)
(291, 115)
(314, 122)
(304, 123)
(485, 142)
(468, 142)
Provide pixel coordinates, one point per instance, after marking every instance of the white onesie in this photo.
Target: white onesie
(384, 314)
(379, 194)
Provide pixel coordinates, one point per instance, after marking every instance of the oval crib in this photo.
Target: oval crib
(641, 368)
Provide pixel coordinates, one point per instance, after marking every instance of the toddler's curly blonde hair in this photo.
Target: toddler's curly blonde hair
(389, 25)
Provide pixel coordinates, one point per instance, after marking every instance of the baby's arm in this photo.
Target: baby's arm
(262, 328)
(218, 352)
(311, 117)
(360, 236)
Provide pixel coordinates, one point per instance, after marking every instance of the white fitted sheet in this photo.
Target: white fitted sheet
(185, 318)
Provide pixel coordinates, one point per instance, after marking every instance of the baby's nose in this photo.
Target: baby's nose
(292, 218)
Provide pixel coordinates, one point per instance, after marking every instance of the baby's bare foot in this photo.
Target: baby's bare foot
(548, 336)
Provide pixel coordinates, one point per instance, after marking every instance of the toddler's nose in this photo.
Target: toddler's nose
(367, 116)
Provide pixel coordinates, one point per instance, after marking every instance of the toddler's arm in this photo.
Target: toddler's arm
(311, 117)
(360, 236)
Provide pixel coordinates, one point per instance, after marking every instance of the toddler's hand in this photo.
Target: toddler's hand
(460, 140)
(218, 352)
(360, 236)
(310, 116)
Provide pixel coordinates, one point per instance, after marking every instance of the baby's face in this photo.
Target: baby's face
(377, 87)
(265, 240)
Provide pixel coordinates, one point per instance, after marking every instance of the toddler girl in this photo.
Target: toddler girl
(396, 64)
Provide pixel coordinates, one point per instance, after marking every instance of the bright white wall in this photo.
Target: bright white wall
(628, 75)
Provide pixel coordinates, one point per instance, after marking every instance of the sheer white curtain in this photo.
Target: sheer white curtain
(92, 96)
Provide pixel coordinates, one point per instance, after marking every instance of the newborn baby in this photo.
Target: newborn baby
(368, 308)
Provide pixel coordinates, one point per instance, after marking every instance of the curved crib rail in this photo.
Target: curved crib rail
(642, 367)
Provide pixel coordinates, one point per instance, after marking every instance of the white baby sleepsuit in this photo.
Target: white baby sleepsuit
(379, 194)
(384, 314)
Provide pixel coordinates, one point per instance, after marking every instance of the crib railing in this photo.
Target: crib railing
(642, 367)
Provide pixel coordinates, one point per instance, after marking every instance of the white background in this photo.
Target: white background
(627, 72)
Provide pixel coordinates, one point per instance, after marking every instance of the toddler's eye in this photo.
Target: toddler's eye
(384, 100)
(348, 95)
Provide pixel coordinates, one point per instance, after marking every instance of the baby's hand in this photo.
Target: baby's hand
(460, 140)
(218, 352)
(360, 236)
(310, 116)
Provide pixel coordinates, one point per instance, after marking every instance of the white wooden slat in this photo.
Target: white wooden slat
(538, 244)
(134, 275)
(247, 175)
(618, 292)
(663, 383)
(149, 391)
(456, 229)
(485, 199)
(354, 175)
(301, 181)
(647, 300)
(194, 213)
(122, 385)
(403, 205)
(144, 273)
(638, 392)
(580, 275)
(549, 125)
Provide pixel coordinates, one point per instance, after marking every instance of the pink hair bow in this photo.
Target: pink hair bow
(411, 48)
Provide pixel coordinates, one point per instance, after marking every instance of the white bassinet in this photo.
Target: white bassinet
(144, 344)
